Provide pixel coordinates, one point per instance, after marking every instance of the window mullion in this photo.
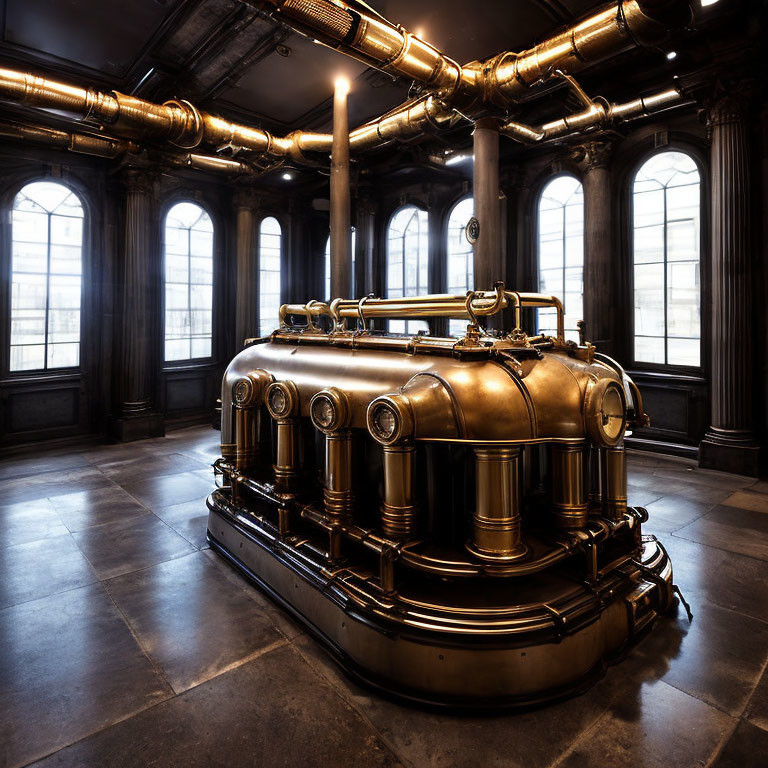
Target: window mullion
(47, 293)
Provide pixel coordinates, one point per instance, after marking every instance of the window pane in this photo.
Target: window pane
(460, 258)
(407, 260)
(28, 358)
(649, 299)
(46, 266)
(270, 249)
(561, 252)
(63, 355)
(666, 253)
(649, 349)
(188, 282)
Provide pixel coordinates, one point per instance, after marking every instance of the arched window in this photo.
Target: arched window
(408, 261)
(188, 283)
(270, 249)
(328, 269)
(460, 257)
(666, 210)
(561, 252)
(46, 277)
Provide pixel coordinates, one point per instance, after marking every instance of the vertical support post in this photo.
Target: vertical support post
(136, 419)
(599, 312)
(246, 302)
(341, 233)
(613, 474)
(730, 443)
(488, 266)
(569, 488)
(496, 520)
(337, 488)
(398, 510)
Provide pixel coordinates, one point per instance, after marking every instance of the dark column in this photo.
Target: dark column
(488, 265)
(341, 232)
(246, 301)
(136, 363)
(364, 245)
(600, 310)
(730, 443)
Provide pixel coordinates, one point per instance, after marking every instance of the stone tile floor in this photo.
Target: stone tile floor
(124, 641)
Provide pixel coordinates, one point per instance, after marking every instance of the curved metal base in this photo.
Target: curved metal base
(443, 644)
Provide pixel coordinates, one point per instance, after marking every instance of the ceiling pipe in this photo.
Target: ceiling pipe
(100, 146)
(599, 114)
(608, 32)
(111, 148)
(183, 125)
(356, 30)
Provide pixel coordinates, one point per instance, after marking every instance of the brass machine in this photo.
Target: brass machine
(449, 516)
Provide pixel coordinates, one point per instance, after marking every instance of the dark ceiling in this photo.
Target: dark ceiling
(224, 56)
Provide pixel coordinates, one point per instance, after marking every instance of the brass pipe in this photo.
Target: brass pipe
(282, 398)
(496, 519)
(477, 304)
(608, 32)
(569, 489)
(100, 146)
(398, 509)
(358, 31)
(614, 482)
(247, 399)
(599, 114)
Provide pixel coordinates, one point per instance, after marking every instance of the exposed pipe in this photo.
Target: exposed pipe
(358, 31)
(608, 32)
(600, 113)
(101, 146)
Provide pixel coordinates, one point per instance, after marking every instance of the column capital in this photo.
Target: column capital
(137, 179)
(730, 107)
(245, 198)
(593, 154)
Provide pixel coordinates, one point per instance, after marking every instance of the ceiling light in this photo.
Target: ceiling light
(455, 159)
(671, 55)
(341, 84)
(287, 176)
(705, 3)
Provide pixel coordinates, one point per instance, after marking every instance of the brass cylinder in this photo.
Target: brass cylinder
(569, 489)
(337, 488)
(595, 478)
(286, 464)
(496, 520)
(398, 510)
(614, 481)
(246, 438)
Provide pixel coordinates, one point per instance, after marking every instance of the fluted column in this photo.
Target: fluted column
(246, 301)
(138, 290)
(730, 443)
(600, 313)
(488, 266)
